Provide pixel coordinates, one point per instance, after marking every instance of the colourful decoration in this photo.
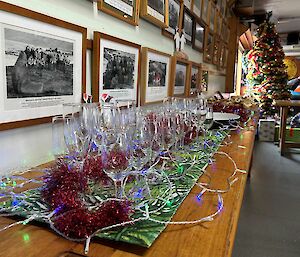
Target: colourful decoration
(267, 74)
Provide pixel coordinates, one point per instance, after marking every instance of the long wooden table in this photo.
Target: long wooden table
(210, 239)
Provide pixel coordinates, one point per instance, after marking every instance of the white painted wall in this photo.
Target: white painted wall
(27, 147)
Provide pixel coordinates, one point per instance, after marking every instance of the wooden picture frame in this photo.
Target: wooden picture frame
(180, 77)
(44, 66)
(205, 12)
(197, 8)
(195, 78)
(216, 50)
(116, 68)
(121, 9)
(212, 14)
(155, 86)
(198, 35)
(208, 46)
(156, 12)
(187, 25)
(175, 18)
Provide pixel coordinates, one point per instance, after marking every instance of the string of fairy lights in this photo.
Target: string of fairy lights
(9, 184)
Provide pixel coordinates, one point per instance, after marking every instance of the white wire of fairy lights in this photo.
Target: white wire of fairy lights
(47, 216)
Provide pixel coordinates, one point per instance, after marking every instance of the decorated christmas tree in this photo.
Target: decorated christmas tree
(267, 76)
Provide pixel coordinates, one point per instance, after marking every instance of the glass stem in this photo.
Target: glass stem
(118, 189)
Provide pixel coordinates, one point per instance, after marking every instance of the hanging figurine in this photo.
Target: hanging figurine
(177, 40)
(182, 41)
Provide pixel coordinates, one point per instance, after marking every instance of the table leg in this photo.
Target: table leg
(284, 112)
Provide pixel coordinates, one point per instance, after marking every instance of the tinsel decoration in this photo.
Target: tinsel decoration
(267, 73)
(65, 191)
(82, 222)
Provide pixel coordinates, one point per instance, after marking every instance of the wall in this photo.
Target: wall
(27, 147)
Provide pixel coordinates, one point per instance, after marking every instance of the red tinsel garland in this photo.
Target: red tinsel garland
(64, 190)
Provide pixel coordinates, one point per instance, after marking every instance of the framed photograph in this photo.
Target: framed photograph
(156, 11)
(188, 26)
(208, 47)
(212, 14)
(224, 57)
(198, 35)
(156, 67)
(188, 4)
(218, 4)
(223, 8)
(42, 66)
(115, 68)
(226, 33)
(216, 50)
(195, 78)
(205, 12)
(204, 80)
(218, 24)
(180, 77)
(175, 16)
(197, 7)
(126, 10)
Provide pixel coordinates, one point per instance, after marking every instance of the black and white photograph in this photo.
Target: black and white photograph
(212, 18)
(116, 64)
(125, 10)
(204, 14)
(223, 7)
(125, 6)
(157, 5)
(208, 49)
(188, 27)
(157, 74)
(118, 69)
(155, 81)
(180, 79)
(174, 13)
(199, 36)
(37, 66)
(188, 4)
(197, 5)
(42, 66)
(194, 78)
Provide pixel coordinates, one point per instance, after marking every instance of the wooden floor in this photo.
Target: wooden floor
(210, 239)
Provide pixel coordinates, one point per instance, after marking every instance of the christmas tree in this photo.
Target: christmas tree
(267, 76)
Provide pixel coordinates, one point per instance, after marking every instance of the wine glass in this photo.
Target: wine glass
(58, 142)
(142, 145)
(209, 119)
(116, 156)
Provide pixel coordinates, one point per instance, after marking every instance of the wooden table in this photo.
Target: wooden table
(284, 107)
(210, 239)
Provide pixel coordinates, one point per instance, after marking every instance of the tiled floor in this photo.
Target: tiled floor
(269, 224)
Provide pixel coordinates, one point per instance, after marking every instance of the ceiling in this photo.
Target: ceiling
(286, 12)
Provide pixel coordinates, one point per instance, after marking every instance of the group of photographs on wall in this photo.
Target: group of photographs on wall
(203, 21)
(44, 66)
(205, 25)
